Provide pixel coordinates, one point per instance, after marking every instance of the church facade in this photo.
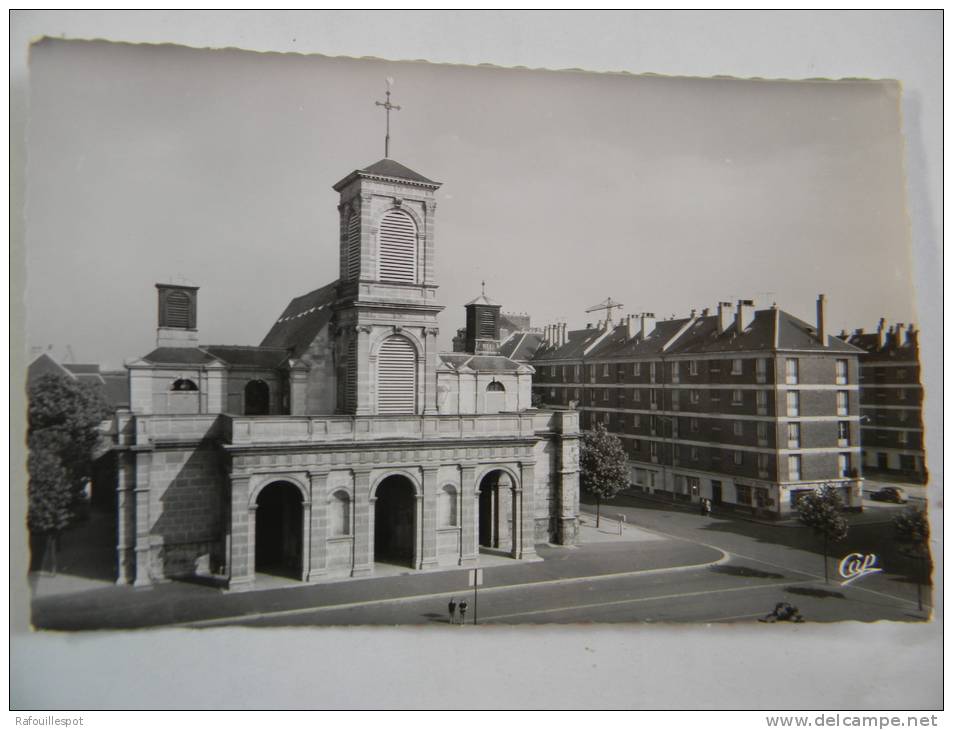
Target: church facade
(345, 440)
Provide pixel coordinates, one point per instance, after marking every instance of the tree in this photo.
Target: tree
(63, 434)
(603, 470)
(912, 530)
(822, 511)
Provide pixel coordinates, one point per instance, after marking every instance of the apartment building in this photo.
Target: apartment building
(749, 408)
(891, 403)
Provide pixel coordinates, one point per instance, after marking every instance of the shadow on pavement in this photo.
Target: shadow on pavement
(813, 592)
(742, 571)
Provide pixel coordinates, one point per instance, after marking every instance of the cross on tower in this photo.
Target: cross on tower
(387, 107)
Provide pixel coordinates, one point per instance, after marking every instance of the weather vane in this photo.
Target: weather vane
(387, 107)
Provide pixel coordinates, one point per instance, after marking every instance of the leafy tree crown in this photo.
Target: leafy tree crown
(602, 463)
(822, 511)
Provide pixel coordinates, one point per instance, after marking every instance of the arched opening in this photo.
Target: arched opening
(496, 510)
(279, 530)
(184, 385)
(495, 397)
(397, 376)
(395, 513)
(256, 398)
(397, 247)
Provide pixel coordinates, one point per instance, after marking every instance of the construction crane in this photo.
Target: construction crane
(607, 305)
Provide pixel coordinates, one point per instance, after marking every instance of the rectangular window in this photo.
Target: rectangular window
(901, 375)
(651, 476)
(576, 372)
(843, 433)
(902, 438)
(653, 424)
(840, 372)
(695, 396)
(714, 396)
(653, 450)
(693, 425)
(693, 367)
(653, 398)
(605, 369)
(794, 435)
(675, 373)
(761, 369)
(738, 457)
(843, 465)
(738, 428)
(636, 445)
(794, 403)
(736, 397)
(605, 394)
(552, 392)
(636, 421)
(762, 433)
(736, 366)
(794, 468)
(636, 368)
(652, 371)
(901, 394)
(694, 453)
(841, 402)
(592, 373)
(605, 418)
(636, 395)
(575, 393)
(762, 465)
(761, 398)
(743, 494)
(791, 371)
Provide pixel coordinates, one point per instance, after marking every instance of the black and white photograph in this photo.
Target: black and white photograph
(315, 341)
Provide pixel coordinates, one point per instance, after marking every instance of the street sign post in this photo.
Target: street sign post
(476, 579)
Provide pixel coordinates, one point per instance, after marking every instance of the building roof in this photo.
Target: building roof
(484, 300)
(387, 168)
(256, 357)
(81, 368)
(521, 345)
(897, 344)
(179, 356)
(480, 363)
(769, 330)
(116, 388)
(302, 320)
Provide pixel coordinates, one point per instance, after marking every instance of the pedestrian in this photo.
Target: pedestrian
(703, 506)
(707, 507)
(452, 607)
(463, 612)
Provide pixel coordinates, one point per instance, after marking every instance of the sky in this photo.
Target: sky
(160, 163)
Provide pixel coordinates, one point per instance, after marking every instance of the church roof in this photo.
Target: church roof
(521, 345)
(388, 168)
(243, 356)
(480, 363)
(302, 320)
(484, 300)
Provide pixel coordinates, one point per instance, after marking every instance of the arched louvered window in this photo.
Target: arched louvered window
(397, 376)
(177, 310)
(397, 250)
(495, 387)
(350, 377)
(353, 268)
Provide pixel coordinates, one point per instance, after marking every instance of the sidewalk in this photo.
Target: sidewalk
(177, 602)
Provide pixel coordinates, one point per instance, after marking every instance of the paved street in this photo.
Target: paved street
(671, 564)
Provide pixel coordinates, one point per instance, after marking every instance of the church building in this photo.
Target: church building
(345, 440)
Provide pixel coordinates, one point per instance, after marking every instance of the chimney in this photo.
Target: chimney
(705, 312)
(648, 324)
(724, 316)
(911, 338)
(821, 329)
(630, 330)
(744, 316)
(880, 333)
(897, 334)
(177, 316)
(565, 333)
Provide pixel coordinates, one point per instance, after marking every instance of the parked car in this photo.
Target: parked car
(890, 494)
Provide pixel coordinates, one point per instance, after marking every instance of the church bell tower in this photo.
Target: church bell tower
(386, 339)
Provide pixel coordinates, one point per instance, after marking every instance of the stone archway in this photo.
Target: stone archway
(395, 521)
(497, 517)
(257, 398)
(279, 530)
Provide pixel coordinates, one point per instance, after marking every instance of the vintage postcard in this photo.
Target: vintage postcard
(322, 341)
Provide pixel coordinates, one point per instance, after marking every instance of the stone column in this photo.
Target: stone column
(418, 532)
(469, 516)
(317, 562)
(365, 371)
(125, 518)
(516, 539)
(143, 549)
(241, 558)
(429, 527)
(216, 397)
(305, 540)
(363, 525)
(527, 544)
(430, 370)
(298, 388)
